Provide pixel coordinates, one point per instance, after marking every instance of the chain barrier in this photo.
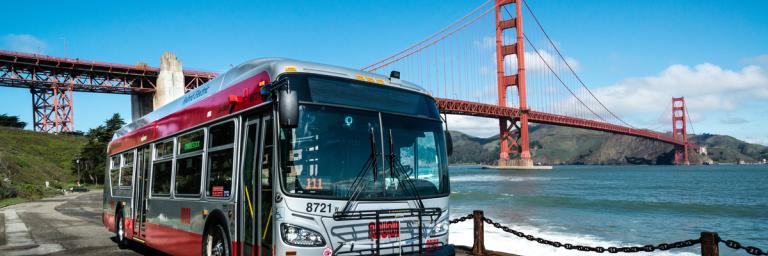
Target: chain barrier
(600, 249)
(461, 219)
(736, 245)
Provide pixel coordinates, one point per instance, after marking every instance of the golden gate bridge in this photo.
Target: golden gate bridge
(482, 65)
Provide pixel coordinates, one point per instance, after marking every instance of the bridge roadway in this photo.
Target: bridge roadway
(24, 70)
(458, 107)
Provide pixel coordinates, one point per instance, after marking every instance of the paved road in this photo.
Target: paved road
(64, 225)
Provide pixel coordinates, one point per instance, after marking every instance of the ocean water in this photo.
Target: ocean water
(614, 206)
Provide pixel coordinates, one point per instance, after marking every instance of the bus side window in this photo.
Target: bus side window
(220, 160)
(161, 168)
(189, 163)
(126, 170)
(114, 173)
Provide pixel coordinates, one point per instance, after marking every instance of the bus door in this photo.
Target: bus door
(257, 187)
(143, 162)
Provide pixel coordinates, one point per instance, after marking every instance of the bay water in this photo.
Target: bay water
(613, 206)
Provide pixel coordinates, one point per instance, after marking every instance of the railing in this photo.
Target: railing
(709, 241)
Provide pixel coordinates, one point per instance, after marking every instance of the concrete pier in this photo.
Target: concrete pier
(170, 81)
(168, 87)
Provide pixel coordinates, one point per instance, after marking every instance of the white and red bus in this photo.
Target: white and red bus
(283, 157)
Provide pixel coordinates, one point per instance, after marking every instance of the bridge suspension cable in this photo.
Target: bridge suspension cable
(459, 65)
(371, 66)
(557, 50)
(690, 120)
(560, 79)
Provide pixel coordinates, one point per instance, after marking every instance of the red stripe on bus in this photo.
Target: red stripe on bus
(173, 241)
(109, 221)
(218, 105)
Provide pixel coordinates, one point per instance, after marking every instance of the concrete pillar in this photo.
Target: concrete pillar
(141, 104)
(170, 81)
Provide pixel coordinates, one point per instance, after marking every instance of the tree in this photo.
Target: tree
(11, 121)
(93, 156)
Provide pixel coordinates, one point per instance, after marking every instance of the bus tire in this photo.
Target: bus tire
(216, 241)
(122, 243)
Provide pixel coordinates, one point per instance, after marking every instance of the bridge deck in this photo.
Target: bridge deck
(449, 106)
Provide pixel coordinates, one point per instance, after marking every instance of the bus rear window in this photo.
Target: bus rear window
(114, 173)
(126, 171)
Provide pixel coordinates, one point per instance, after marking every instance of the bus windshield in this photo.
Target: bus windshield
(332, 146)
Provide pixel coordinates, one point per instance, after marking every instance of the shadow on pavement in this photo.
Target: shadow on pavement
(139, 248)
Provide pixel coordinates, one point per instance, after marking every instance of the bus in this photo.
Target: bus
(284, 157)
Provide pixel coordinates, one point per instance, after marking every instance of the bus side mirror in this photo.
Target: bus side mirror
(288, 107)
(449, 143)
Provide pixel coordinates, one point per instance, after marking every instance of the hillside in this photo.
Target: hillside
(28, 159)
(564, 145)
(723, 148)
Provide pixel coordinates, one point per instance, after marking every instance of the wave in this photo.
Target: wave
(479, 196)
(748, 211)
(497, 240)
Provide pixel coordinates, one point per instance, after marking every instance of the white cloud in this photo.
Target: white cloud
(757, 60)
(24, 43)
(706, 87)
(734, 120)
(475, 126)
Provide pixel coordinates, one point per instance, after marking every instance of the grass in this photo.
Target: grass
(28, 159)
(12, 201)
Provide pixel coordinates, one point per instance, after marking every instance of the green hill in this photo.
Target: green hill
(564, 145)
(723, 148)
(28, 159)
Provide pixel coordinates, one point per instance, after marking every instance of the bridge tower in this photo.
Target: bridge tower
(679, 130)
(52, 109)
(512, 141)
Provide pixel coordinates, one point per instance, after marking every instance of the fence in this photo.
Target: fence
(709, 241)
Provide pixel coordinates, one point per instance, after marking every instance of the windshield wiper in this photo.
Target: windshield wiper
(359, 184)
(396, 169)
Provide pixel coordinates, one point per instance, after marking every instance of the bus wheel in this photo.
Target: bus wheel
(120, 230)
(215, 241)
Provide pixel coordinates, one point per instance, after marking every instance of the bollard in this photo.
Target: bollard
(478, 247)
(709, 241)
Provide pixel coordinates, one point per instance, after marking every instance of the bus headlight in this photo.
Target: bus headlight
(440, 228)
(300, 236)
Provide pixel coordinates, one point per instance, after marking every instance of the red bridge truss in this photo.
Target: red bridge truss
(52, 80)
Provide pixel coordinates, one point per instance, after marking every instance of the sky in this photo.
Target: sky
(635, 55)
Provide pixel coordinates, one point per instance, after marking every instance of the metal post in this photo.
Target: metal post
(378, 235)
(78, 171)
(709, 241)
(478, 247)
